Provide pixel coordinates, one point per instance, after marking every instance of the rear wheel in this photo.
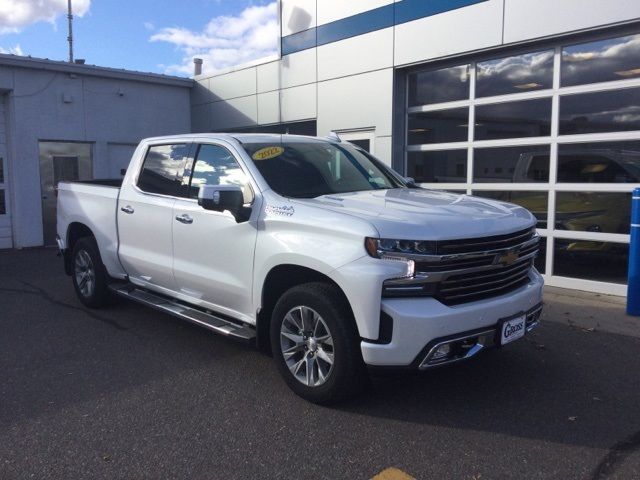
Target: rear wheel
(89, 275)
(315, 344)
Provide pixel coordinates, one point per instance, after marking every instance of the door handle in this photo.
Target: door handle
(128, 209)
(184, 218)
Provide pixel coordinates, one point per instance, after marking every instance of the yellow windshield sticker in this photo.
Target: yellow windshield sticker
(267, 153)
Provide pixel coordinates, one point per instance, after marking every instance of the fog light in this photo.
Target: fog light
(441, 352)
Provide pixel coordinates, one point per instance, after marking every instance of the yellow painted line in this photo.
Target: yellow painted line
(392, 473)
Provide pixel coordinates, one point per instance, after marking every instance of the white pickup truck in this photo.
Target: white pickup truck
(309, 247)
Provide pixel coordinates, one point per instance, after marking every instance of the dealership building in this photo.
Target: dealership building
(532, 102)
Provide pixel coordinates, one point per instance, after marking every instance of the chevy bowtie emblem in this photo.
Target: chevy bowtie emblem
(508, 258)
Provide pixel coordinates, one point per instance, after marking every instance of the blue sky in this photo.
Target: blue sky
(158, 36)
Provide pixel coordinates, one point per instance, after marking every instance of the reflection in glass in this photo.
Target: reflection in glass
(541, 260)
(527, 118)
(3, 207)
(601, 61)
(522, 73)
(448, 166)
(593, 211)
(436, 86)
(511, 164)
(215, 165)
(161, 169)
(613, 111)
(601, 162)
(590, 260)
(439, 126)
(536, 202)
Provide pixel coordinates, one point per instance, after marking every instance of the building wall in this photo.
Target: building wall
(348, 83)
(113, 114)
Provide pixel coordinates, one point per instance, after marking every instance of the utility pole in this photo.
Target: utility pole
(70, 37)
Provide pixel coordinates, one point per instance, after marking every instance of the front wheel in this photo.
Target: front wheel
(89, 275)
(316, 345)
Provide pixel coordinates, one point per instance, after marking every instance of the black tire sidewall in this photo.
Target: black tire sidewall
(348, 371)
(99, 296)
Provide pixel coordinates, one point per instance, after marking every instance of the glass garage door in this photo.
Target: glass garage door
(556, 130)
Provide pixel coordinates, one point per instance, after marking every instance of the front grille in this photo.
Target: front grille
(474, 269)
(470, 287)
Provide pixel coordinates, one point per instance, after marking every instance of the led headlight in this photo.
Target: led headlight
(378, 247)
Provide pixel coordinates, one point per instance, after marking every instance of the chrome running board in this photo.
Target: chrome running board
(208, 320)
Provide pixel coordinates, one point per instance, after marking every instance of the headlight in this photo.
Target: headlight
(379, 247)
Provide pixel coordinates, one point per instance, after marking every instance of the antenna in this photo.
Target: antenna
(70, 37)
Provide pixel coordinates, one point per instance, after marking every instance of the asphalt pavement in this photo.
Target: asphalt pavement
(126, 392)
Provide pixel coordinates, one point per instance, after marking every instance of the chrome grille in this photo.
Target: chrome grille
(467, 270)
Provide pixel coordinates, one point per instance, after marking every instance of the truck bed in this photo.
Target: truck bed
(92, 203)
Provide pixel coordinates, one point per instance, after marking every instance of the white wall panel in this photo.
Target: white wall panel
(298, 103)
(298, 15)
(465, 29)
(298, 68)
(383, 149)
(238, 112)
(359, 101)
(332, 10)
(268, 108)
(525, 19)
(268, 77)
(234, 84)
(372, 51)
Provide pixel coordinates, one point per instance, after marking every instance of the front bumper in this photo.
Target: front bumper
(419, 324)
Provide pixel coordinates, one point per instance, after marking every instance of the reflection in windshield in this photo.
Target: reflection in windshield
(312, 169)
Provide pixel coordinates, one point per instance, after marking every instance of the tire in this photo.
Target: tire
(88, 273)
(334, 337)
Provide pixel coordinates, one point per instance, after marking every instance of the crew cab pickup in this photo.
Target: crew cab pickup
(311, 248)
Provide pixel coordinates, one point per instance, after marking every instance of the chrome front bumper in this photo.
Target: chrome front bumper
(467, 345)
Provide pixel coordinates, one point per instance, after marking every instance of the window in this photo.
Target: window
(611, 111)
(437, 86)
(215, 165)
(593, 211)
(511, 164)
(522, 73)
(601, 61)
(3, 206)
(162, 169)
(439, 126)
(527, 118)
(591, 260)
(447, 166)
(602, 162)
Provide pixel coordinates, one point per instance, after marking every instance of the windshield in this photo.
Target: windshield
(311, 169)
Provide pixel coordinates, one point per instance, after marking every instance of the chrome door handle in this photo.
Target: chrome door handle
(128, 209)
(184, 218)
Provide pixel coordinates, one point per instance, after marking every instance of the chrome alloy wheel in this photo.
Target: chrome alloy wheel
(85, 273)
(307, 346)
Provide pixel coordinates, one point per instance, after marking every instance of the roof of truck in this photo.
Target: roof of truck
(243, 137)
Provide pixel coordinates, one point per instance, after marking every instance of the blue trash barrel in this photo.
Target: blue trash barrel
(633, 290)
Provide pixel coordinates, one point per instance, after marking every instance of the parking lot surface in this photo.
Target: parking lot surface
(127, 392)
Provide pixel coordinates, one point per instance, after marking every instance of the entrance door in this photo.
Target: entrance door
(362, 138)
(60, 161)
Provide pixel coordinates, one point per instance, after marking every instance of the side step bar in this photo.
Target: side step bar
(207, 320)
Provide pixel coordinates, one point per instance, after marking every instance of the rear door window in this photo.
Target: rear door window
(162, 169)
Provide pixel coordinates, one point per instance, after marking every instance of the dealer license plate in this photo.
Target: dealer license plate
(512, 329)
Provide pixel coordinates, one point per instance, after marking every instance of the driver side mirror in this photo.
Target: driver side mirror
(410, 181)
(224, 197)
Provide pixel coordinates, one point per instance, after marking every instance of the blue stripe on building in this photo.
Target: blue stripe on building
(370, 21)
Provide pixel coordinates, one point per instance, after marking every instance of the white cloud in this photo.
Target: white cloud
(149, 26)
(17, 14)
(226, 40)
(16, 50)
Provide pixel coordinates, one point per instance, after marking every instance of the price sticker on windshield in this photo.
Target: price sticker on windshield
(267, 153)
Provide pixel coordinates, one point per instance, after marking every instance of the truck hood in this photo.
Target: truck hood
(420, 214)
